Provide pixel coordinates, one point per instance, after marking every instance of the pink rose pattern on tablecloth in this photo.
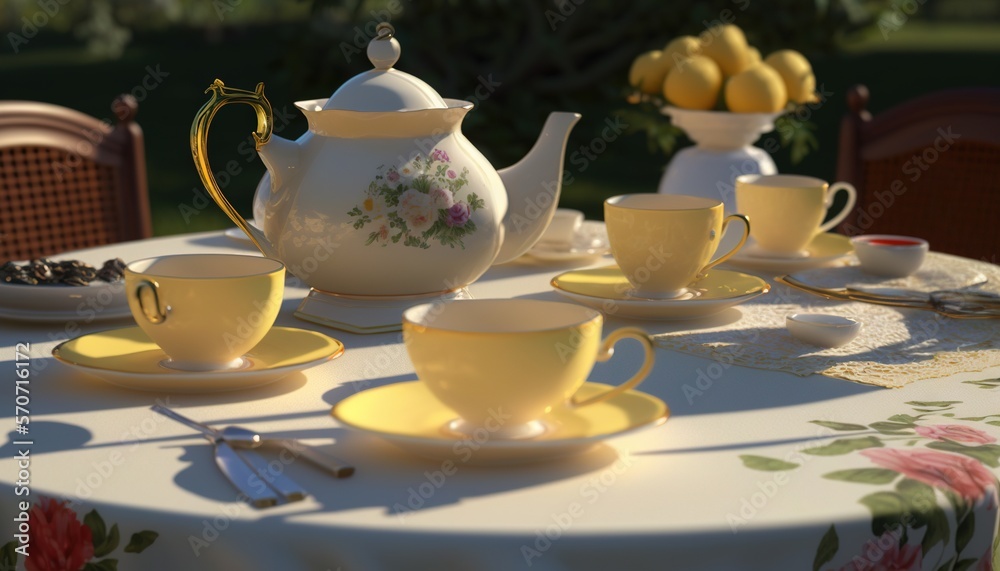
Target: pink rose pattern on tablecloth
(886, 554)
(417, 203)
(986, 561)
(59, 541)
(924, 463)
(949, 472)
(955, 433)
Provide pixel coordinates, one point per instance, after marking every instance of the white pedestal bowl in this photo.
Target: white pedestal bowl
(723, 150)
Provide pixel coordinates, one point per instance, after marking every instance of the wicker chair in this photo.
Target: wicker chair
(69, 181)
(929, 167)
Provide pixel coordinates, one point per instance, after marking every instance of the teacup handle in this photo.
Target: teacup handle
(608, 349)
(159, 313)
(730, 253)
(852, 197)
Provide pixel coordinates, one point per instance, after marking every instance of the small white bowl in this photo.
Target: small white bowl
(822, 329)
(888, 255)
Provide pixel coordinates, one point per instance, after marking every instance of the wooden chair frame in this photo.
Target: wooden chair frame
(68, 180)
(956, 131)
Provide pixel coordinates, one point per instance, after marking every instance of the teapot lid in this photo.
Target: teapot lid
(384, 88)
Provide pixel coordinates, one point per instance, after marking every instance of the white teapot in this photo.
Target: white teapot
(384, 195)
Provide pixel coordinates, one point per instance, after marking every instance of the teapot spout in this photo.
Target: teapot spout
(281, 157)
(260, 240)
(533, 185)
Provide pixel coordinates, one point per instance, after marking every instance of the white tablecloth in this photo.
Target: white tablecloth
(748, 473)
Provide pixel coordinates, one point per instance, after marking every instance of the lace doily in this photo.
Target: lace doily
(894, 348)
(939, 271)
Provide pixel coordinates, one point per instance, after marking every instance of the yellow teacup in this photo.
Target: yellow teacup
(501, 364)
(663, 242)
(205, 310)
(787, 210)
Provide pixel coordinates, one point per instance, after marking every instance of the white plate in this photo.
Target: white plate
(589, 244)
(79, 318)
(607, 290)
(97, 301)
(826, 249)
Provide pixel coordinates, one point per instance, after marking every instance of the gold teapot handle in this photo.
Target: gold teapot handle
(222, 95)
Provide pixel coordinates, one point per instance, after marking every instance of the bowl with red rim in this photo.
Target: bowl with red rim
(890, 255)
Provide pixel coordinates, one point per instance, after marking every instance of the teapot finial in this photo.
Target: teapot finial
(383, 51)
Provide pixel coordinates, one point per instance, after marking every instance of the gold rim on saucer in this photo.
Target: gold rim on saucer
(825, 249)
(409, 416)
(126, 357)
(608, 290)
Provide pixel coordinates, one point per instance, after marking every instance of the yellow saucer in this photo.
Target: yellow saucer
(608, 290)
(409, 416)
(126, 357)
(826, 249)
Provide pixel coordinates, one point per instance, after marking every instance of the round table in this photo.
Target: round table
(753, 470)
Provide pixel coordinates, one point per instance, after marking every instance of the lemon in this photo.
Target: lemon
(680, 49)
(694, 83)
(796, 73)
(648, 71)
(758, 89)
(726, 45)
(753, 56)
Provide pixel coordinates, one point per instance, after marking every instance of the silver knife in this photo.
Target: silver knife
(261, 473)
(258, 494)
(281, 483)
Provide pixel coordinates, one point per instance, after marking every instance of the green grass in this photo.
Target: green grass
(926, 36)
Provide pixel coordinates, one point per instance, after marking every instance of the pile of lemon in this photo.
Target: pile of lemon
(692, 73)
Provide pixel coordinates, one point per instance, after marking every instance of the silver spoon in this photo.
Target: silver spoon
(235, 435)
(240, 437)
